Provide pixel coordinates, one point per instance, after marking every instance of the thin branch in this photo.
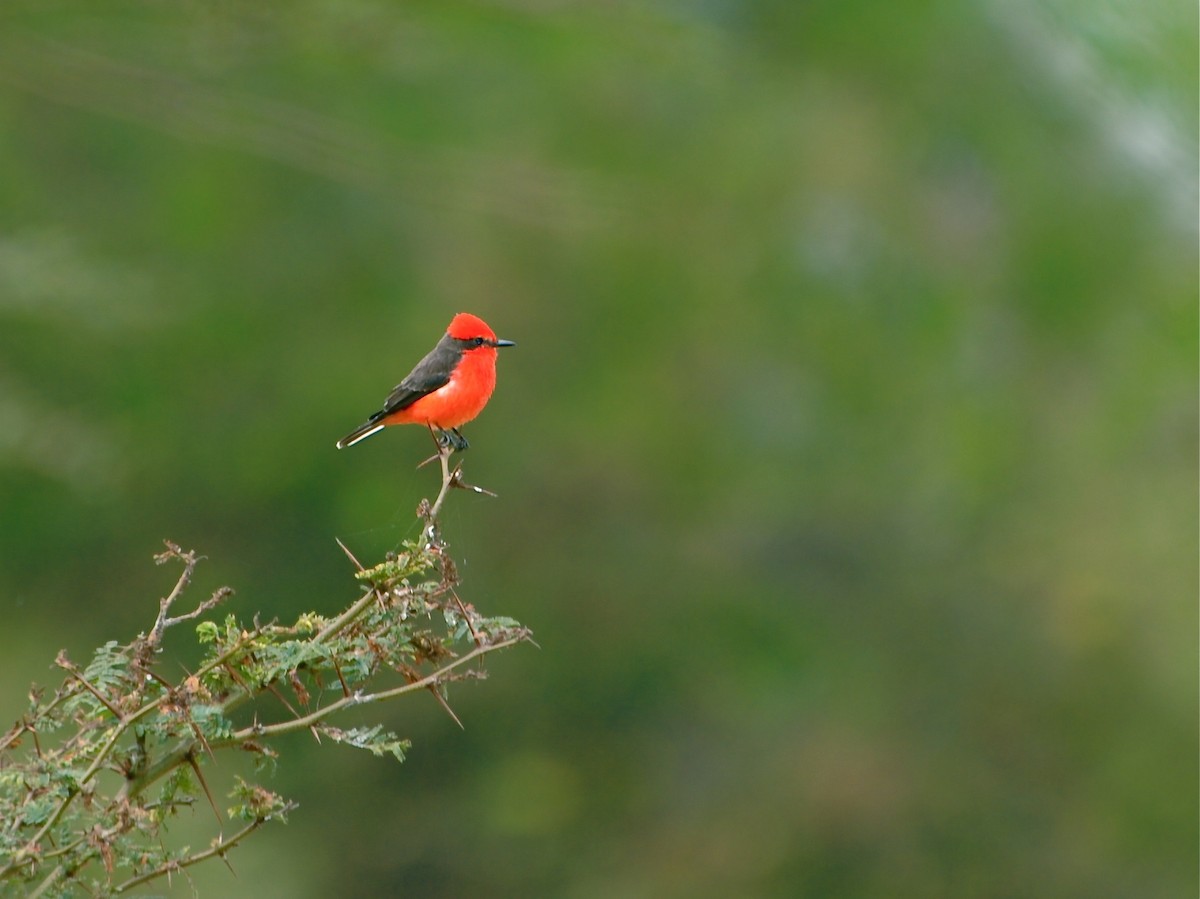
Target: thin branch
(64, 663)
(169, 762)
(14, 734)
(356, 699)
(372, 596)
(190, 560)
(220, 847)
(37, 837)
(219, 596)
(447, 479)
(63, 693)
(70, 847)
(51, 879)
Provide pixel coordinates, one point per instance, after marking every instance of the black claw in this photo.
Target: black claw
(452, 438)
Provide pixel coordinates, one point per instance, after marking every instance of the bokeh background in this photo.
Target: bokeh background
(847, 461)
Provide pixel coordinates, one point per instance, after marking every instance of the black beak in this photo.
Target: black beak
(504, 343)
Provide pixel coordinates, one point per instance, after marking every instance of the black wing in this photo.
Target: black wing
(429, 374)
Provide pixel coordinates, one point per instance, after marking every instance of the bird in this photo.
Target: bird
(446, 389)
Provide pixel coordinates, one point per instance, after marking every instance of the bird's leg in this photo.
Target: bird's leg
(441, 442)
(447, 441)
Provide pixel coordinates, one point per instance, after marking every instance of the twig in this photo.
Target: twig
(64, 663)
(436, 508)
(220, 848)
(23, 724)
(219, 595)
(134, 786)
(356, 699)
(347, 616)
(449, 479)
(51, 879)
(190, 559)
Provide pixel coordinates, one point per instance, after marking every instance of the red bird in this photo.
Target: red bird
(447, 389)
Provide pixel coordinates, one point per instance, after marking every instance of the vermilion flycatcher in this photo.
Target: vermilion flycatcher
(447, 389)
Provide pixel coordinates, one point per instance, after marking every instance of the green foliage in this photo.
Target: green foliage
(375, 739)
(68, 830)
(256, 804)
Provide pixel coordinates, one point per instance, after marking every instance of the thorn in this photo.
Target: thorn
(457, 481)
(462, 609)
(350, 555)
(338, 669)
(200, 777)
(442, 702)
(275, 692)
(225, 859)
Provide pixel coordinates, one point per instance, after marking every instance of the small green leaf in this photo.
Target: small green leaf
(375, 739)
(207, 632)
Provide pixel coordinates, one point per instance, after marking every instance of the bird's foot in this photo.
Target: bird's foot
(453, 439)
(447, 442)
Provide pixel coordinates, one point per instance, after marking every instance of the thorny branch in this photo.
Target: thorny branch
(57, 820)
(219, 848)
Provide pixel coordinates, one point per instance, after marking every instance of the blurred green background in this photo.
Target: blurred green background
(847, 461)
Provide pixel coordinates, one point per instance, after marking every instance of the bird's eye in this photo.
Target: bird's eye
(478, 341)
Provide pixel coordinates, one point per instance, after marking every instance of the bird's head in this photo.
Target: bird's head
(474, 332)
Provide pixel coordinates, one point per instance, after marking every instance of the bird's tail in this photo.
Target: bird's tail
(362, 432)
